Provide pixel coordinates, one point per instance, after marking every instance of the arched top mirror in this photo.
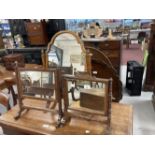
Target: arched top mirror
(66, 49)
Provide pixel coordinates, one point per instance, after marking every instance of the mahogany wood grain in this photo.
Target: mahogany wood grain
(38, 122)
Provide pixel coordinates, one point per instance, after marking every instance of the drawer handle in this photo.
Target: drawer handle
(95, 72)
(106, 45)
(35, 28)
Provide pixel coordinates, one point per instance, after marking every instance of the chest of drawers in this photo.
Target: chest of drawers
(111, 48)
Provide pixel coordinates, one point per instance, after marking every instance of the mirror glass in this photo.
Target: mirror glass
(55, 56)
(38, 84)
(66, 51)
(86, 94)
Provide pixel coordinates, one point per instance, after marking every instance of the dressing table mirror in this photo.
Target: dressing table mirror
(38, 87)
(65, 50)
(93, 100)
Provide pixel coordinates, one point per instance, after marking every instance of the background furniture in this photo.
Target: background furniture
(10, 59)
(54, 26)
(150, 72)
(32, 55)
(17, 27)
(134, 77)
(37, 122)
(37, 33)
(138, 34)
(5, 31)
(111, 48)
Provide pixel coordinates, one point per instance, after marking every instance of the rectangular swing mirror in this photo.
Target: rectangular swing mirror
(38, 89)
(89, 97)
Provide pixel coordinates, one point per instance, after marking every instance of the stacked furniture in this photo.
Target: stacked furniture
(150, 73)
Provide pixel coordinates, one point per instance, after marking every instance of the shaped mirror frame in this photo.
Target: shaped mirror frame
(57, 56)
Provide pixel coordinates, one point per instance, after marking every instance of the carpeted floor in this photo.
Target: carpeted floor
(134, 52)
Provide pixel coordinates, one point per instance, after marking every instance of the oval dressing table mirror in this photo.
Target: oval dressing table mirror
(66, 49)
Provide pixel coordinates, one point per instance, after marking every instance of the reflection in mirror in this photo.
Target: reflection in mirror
(93, 102)
(68, 51)
(86, 95)
(37, 84)
(38, 89)
(55, 56)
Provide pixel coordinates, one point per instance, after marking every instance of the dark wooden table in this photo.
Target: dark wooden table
(37, 122)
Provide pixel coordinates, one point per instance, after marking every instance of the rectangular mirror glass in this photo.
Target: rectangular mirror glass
(38, 84)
